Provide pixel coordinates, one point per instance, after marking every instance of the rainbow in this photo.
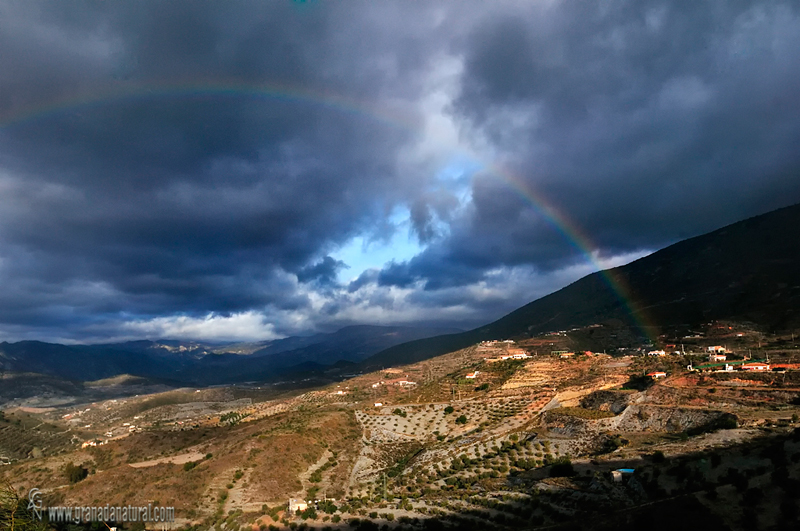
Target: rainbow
(124, 91)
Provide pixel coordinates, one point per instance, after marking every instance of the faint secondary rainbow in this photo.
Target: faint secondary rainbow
(124, 91)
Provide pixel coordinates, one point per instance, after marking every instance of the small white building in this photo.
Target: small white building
(297, 505)
(378, 404)
(755, 366)
(619, 473)
(713, 357)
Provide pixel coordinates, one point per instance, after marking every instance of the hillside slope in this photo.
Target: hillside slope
(747, 271)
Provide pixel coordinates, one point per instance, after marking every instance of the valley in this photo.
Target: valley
(499, 435)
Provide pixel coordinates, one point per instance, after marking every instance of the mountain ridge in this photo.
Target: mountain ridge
(748, 271)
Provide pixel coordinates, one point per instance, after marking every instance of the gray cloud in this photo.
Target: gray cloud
(641, 122)
(163, 160)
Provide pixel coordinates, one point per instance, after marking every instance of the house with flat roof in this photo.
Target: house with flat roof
(755, 366)
(297, 505)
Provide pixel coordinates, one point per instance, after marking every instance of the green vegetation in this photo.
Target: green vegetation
(562, 467)
(189, 465)
(399, 412)
(448, 410)
(638, 382)
(582, 413)
(232, 418)
(75, 473)
(461, 419)
(14, 513)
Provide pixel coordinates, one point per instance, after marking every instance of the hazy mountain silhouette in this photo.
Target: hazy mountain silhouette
(202, 363)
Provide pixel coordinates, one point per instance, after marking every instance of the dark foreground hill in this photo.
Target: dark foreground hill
(748, 271)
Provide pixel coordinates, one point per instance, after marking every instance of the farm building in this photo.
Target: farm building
(755, 366)
(297, 505)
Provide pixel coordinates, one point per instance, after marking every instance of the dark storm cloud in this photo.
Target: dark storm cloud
(130, 191)
(168, 199)
(641, 122)
(323, 272)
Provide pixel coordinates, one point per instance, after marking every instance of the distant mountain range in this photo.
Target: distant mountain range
(199, 363)
(748, 271)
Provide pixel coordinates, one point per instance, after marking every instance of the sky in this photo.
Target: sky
(250, 170)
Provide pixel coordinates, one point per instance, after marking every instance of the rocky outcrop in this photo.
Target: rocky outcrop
(638, 418)
(614, 401)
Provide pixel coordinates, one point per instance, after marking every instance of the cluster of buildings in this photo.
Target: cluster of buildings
(742, 365)
(296, 505)
(511, 354)
(402, 382)
(93, 442)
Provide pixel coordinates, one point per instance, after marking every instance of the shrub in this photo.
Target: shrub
(188, 465)
(562, 467)
(448, 410)
(461, 420)
(75, 473)
(658, 456)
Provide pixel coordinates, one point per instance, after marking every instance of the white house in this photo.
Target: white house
(755, 366)
(297, 505)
